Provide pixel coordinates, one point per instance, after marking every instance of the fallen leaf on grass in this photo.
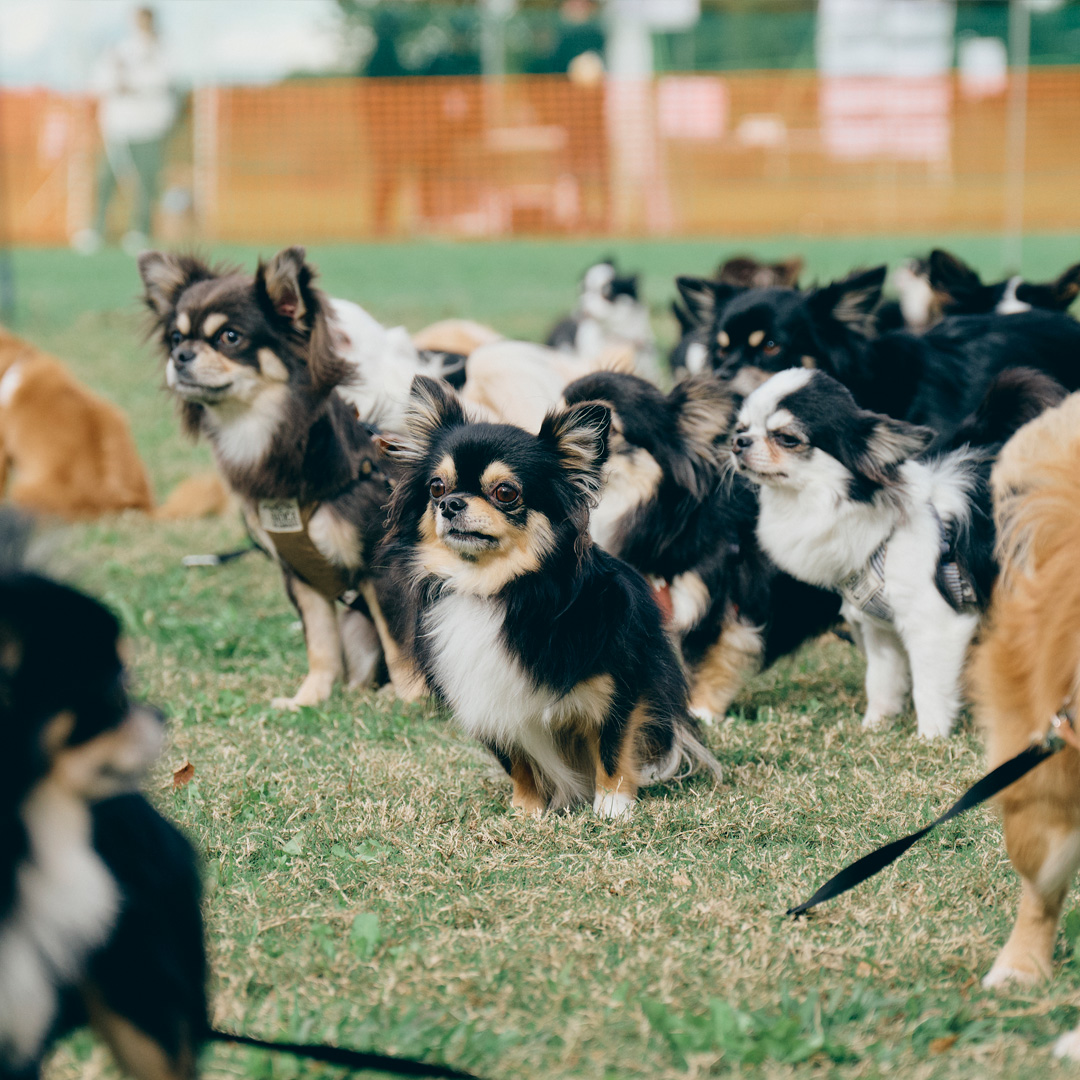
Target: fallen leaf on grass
(183, 775)
(939, 1046)
(864, 970)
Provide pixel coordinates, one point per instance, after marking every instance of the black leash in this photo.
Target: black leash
(217, 559)
(349, 1059)
(994, 781)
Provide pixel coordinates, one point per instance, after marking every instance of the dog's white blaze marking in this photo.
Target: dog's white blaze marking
(66, 903)
(10, 383)
(492, 697)
(765, 400)
(1009, 304)
(183, 323)
(335, 537)
(272, 365)
(696, 357)
(778, 420)
(630, 480)
(755, 339)
(689, 600)
(243, 433)
(213, 323)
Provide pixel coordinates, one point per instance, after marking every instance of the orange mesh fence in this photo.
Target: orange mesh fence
(746, 153)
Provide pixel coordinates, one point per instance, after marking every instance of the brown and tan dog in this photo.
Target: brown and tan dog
(1027, 671)
(68, 452)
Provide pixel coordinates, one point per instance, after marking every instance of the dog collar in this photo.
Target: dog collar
(953, 582)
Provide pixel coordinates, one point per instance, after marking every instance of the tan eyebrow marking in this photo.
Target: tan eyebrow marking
(723, 339)
(214, 323)
(809, 362)
(779, 419)
(498, 473)
(272, 366)
(183, 323)
(756, 338)
(446, 471)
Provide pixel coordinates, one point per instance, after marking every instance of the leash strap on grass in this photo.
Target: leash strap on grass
(349, 1059)
(993, 782)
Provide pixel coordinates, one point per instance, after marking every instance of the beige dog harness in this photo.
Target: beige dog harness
(287, 523)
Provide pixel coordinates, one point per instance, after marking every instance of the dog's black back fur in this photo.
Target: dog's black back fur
(935, 379)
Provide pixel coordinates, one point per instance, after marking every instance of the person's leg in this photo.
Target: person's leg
(106, 188)
(146, 157)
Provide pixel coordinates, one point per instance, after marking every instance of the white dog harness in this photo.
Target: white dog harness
(865, 588)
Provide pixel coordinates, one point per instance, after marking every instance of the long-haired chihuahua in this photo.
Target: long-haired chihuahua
(547, 649)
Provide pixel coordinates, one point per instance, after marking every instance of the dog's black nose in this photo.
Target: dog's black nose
(742, 442)
(183, 355)
(451, 505)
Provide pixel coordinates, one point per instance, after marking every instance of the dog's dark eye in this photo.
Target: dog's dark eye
(506, 494)
(786, 440)
(437, 488)
(228, 336)
(175, 338)
(770, 348)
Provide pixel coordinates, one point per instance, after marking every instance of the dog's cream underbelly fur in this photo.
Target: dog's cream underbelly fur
(493, 697)
(66, 904)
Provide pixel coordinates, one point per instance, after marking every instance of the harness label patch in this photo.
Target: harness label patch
(280, 516)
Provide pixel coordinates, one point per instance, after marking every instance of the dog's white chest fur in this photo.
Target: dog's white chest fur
(492, 696)
(66, 903)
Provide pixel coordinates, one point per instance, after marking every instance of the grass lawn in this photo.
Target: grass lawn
(366, 882)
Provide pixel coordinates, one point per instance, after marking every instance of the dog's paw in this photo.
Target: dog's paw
(934, 729)
(290, 704)
(613, 804)
(703, 715)
(314, 690)
(1006, 973)
(874, 719)
(1068, 1046)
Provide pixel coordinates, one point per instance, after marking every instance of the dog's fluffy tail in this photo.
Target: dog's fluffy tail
(1014, 397)
(688, 755)
(202, 495)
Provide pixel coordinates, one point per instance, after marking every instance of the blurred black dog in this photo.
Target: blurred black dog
(672, 507)
(937, 379)
(99, 894)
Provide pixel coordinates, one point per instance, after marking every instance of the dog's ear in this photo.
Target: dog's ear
(704, 298)
(432, 405)
(852, 300)
(686, 321)
(703, 410)
(1066, 288)
(788, 272)
(283, 285)
(889, 443)
(949, 274)
(166, 276)
(579, 436)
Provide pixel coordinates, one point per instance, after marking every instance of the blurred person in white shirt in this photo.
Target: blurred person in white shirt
(136, 109)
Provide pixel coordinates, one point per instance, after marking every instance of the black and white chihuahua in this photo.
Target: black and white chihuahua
(672, 508)
(848, 504)
(547, 649)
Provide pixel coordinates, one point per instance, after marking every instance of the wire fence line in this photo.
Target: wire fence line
(738, 153)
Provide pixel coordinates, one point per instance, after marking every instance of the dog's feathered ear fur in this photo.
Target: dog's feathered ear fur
(704, 298)
(1066, 288)
(788, 272)
(949, 274)
(166, 276)
(579, 435)
(889, 443)
(703, 410)
(281, 284)
(432, 405)
(852, 300)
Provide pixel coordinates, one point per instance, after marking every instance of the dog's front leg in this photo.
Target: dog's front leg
(617, 774)
(1044, 847)
(887, 679)
(937, 643)
(323, 640)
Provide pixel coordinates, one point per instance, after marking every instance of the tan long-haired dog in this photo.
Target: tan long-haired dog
(67, 452)
(1027, 670)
